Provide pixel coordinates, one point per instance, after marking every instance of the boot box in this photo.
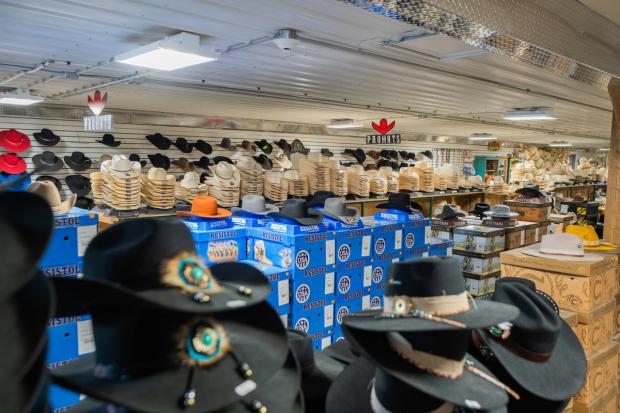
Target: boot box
(595, 328)
(312, 320)
(440, 248)
(71, 235)
(69, 338)
(532, 209)
(279, 279)
(217, 240)
(376, 296)
(607, 403)
(293, 247)
(478, 285)
(479, 239)
(387, 238)
(350, 303)
(312, 285)
(353, 241)
(358, 276)
(380, 272)
(478, 264)
(602, 373)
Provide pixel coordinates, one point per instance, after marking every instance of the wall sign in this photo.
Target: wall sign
(98, 123)
(97, 102)
(383, 138)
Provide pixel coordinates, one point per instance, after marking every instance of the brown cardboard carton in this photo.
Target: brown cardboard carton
(602, 373)
(616, 339)
(595, 327)
(570, 318)
(569, 407)
(515, 237)
(608, 403)
(617, 315)
(531, 232)
(529, 210)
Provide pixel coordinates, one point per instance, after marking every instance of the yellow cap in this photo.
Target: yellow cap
(590, 238)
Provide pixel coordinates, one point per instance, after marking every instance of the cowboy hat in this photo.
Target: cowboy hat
(590, 239)
(479, 209)
(563, 247)
(78, 184)
(109, 140)
(318, 198)
(336, 209)
(160, 161)
(203, 147)
(500, 211)
(46, 137)
(298, 147)
(134, 157)
(48, 191)
(13, 164)
(263, 161)
(225, 143)
(326, 152)
(159, 141)
(450, 211)
(203, 163)
(400, 201)
(14, 140)
(84, 203)
(154, 263)
(533, 349)
(264, 146)
(205, 207)
(183, 145)
(285, 146)
(254, 204)
(282, 161)
(297, 211)
(48, 161)
(219, 159)
(183, 164)
(357, 154)
(78, 161)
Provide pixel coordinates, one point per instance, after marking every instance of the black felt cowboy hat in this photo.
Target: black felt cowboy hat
(46, 137)
(219, 159)
(78, 161)
(364, 387)
(160, 161)
(538, 350)
(279, 394)
(298, 147)
(84, 203)
(431, 285)
(53, 179)
(203, 163)
(358, 154)
(159, 141)
(154, 263)
(47, 161)
(264, 146)
(30, 393)
(109, 140)
(479, 209)
(318, 370)
(187, 362)
(297, 211)
(225, 143)
(400, 201)
(326, 152)
(530, 192)
(203, 147)
(183, 145)
(263, 161)
(78, 184)
(318, 198)
(450, 211)
(285, 146)
(134, 157)
(26, 223)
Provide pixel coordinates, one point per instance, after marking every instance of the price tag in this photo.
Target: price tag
(330, 252)
(329, 282)
(328, 316)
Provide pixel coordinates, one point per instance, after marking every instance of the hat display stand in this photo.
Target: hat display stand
(316, 170)
(117, 184)
(158, 189)
(189, 187)
(297, 184)
(275, 187)
(251, 174)
(408, 180)
(426, 173)
(391, 177)
(338, 178)
(378, 183)
(358, 181)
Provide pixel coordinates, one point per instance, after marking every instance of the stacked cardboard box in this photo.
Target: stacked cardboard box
(589, 289)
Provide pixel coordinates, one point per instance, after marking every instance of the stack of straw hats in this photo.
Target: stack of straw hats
(224, 184)
(297, 184)
(275, 187)
(158, 189)
(190, 187)
(117, 184)
(378, 183)
(358, 181)
(427, 175)
(338, 177)
(391, 177)
(451, 175)
(408, 180)
(316, 170)
(251, 174)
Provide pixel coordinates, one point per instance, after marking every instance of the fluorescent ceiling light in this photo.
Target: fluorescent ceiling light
(603, 149)
(344, 124)
(171, 53)
(482, 137)
(530, 114)
(560, 144)
(20, 97)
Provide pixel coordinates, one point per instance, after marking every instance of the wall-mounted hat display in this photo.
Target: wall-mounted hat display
(109, 140)
(78, 161)
(46, 137)
(14, 140)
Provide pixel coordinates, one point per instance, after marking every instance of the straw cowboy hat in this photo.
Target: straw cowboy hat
(48, 191)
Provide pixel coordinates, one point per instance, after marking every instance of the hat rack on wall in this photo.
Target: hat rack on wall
(133, 140)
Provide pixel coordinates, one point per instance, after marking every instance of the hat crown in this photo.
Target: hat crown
(500, 210)
(537, 328)
(253, 203)
(77, 156)
(120, 163)
(585, 232)
(563, 243)
(399, 200)
(46, 190)
(204, 206)
(336, 205)
(295, 208)
(425, 277)
(157, 174)
(224, 170)
(191, 180)
(14, 136)
(10, 159)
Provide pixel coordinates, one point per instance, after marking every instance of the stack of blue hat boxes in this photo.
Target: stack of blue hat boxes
(217, 240)
(308, 254)
(69, 338)
(353, 269)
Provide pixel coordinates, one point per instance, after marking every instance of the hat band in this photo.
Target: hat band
(377, 407)
(439, 305)
(511, 345)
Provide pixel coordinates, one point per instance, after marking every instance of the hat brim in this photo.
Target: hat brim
(79, 167)
(555, 379)
(46, 142)
(44, 167)
(450, 215)
(256, 336)
(111, 144)
(558, 257)
(32, 306)
(29, 394)
(491, 214)
(269, 209)
(601, 247)
(386, 205)
(77, 296)
(462, 391)
(221, 213)
(315, 217)
(351, 216)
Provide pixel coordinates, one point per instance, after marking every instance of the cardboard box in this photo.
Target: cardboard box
(312, 285)
(607, 403)
(444, 229)
(321, 340)
(69, 338)
(71, 235)
(66, 270)
(350, 303)
(479, 239)
(353, 241)
(60, 398)
(531, 210)
(574, 285)
(387, 238)
(293, 247)
(595, 328)
(478, 285)
(217, 240)
(376, 296)
(515, 237)
(602, 373)
(543, 230)
(531, 232)
(313, 320)
(249, 222)
(440, 248)
(380, 272)
(357, 277)
(279, 279)
(569, 317)
(478, 264)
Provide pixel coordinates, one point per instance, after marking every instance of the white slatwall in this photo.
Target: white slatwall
(132, 136)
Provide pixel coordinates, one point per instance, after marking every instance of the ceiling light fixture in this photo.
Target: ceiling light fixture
(482, 137)
(20, 97)
(603, 149)
(171, 53)
(530, 114)
(344, 124)
(560, 144)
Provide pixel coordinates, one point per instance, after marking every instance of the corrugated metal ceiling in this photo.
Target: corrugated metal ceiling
(313, 84)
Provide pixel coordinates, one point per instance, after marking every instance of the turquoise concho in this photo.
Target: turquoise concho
(206, 343)
(192, 272)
